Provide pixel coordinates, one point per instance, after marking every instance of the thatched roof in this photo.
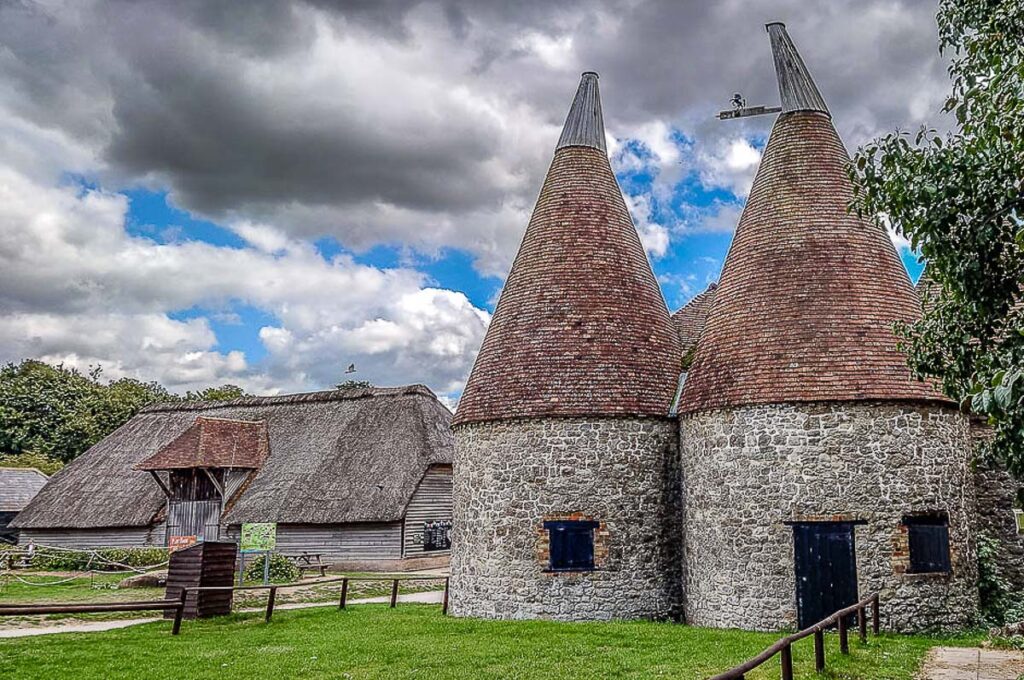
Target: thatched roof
(18, 486)
(213, 443)
(352, 455)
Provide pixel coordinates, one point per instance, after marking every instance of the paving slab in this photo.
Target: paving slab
(972, 663)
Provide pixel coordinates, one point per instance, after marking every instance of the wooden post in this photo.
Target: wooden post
(844, 641)
(862, 624)
(270, 602)
(819, 650)
(874, 615)
(344, 593)
(786, 658)
(444, 601)
(179, 613)
(394, 593)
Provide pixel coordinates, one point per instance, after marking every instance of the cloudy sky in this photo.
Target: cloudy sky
(262, 193)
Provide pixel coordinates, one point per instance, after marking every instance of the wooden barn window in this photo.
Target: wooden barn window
(929, 544)
(437, 535)
(571, 546)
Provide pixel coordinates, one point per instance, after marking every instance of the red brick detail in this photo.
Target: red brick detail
(689, 320)
(543, 546)
(581, 327)
(806, 302)
(213, 442)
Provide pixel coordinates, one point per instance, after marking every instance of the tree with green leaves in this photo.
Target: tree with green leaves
(354, 385)
(49, 415)
(958, 197)
(222, 393)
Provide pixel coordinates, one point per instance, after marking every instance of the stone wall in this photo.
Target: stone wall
(510, 477)
(750, 470)
(997, 493)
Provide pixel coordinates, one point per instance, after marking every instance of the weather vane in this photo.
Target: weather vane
(741, 110)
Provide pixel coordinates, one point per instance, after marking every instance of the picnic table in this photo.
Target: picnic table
(308, 561)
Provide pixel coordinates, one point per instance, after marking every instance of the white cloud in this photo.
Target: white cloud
(653, 236)
(555, 52)
(730, 164)
(407, 124)
(77, 288)
(719, 218)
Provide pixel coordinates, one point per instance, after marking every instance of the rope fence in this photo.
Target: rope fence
(94, 554)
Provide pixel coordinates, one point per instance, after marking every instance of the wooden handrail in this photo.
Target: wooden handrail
(784, 645)
(340, 579)
(178, 605)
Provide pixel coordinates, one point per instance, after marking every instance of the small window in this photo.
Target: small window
(929, 544)
(1018, 516)
(571, 545)
(437, 535)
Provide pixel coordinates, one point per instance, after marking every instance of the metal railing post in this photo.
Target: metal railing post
(394, 593)
(444, 602)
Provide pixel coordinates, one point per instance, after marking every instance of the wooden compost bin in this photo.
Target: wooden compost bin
(211, 563)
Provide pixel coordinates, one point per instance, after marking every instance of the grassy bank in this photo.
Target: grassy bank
(22, 587)
(413, 641)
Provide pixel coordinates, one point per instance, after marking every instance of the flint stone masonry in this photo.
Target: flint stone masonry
(747, 471)
(996, 491)
(511, 476)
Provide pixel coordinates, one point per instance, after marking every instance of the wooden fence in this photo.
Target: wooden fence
(344, 580)
(178, 605)
(784, 647)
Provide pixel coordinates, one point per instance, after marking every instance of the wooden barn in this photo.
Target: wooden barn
(361, 476)
(18, 486)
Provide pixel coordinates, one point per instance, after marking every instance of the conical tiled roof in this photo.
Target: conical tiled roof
(689, 319)
(809, 293)
(581, 328)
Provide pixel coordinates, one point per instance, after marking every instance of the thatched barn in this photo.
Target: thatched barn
(359, 475)
(18, 486)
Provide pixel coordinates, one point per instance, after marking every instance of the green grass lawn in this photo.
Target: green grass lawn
(84, 588)
(103, 588)
(416, 641)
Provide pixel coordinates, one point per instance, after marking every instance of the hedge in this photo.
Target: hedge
(47, 559)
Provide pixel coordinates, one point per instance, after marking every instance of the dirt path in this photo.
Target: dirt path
(960, 663)
(429, 597)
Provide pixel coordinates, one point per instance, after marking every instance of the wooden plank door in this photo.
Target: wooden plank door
(826, 569)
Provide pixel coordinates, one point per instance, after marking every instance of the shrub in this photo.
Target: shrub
(282, 569)
(994, 597)
(60, 560)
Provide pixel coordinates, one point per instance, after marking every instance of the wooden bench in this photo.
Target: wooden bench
(308, 561)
